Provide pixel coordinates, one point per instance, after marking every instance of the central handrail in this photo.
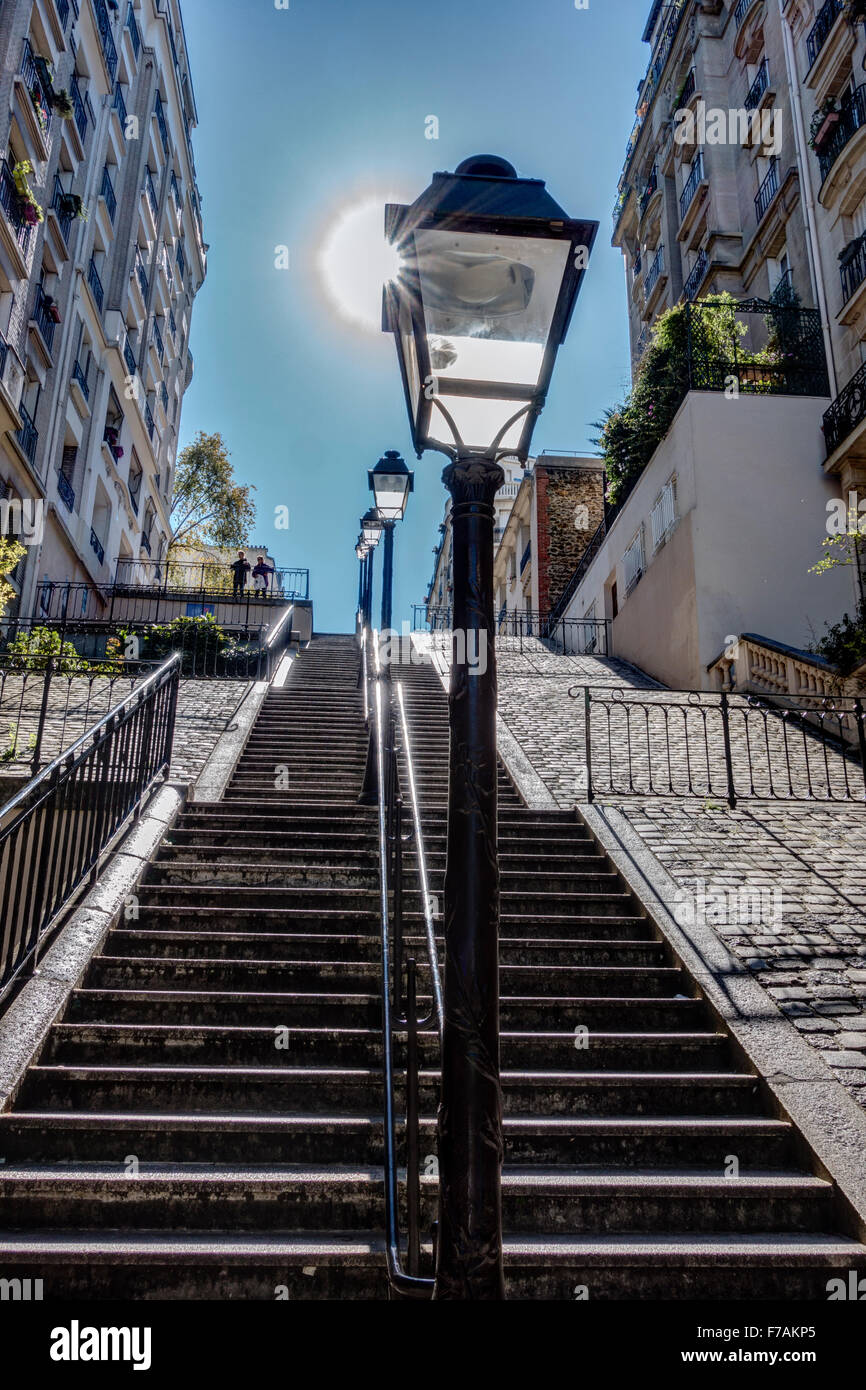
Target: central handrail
(438, 1008)
(389, 829)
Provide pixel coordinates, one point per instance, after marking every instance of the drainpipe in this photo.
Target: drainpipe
(813, 245)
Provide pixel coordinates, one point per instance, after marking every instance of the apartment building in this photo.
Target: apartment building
(102, 253)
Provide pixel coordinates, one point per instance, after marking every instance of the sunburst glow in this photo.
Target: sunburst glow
(356, 261)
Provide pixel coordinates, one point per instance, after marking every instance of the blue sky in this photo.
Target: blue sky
(307, 111)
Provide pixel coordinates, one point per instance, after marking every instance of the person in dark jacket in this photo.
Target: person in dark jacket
(240, 570)
(262, 573)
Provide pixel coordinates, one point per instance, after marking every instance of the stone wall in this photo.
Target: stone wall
(570, 510)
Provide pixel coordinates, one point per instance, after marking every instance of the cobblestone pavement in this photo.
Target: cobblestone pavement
(204, 710)
(784, 883)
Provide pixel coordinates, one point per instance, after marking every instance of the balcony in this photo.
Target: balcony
(149, 420)
(145, 542)
(689, 88)
(143, 282)
(163, 396)
(175, 192)
(120, 107)
(97, 547)
(852, 267)
(159, 112)
(66, 492)
(78, 108)
(79, 377)
(651, 188)
(129, 356)
(691, 186)
(157, 338)
(652, 276)
(526, 557)
(181, 259)
(172, 323)
(33, 71)
(42, 306)
(62, 7)
(28, 435)
(852, 115)
(150, 190)
(819, 33)
(95, 284)
(134, 34)
(760, 85)
(109, 51)
(10, 201)
(106, 191)
(62, 207)
(767, 191)
(696, 276)
(741, 11)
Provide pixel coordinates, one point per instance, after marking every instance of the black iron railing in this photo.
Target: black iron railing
(54, 833)
(767, 191)
(103, 25)
(95, 284)
(66, 491)
(159, 112)
(696, 275)
(42, 316)
(119, 105)
(727, 746)
(400, 969)
(780, 353)
(741, 11)
(758, 87)
(852, 267)
(107, 192)
(210, 578)
(134, 34)
(28, 435)
(60, 202)
(689, 89)
(691, 185)
(651, 187)
(654, 271)
(852, 115)
(847, 411)
(817, 35)
(79, 110)
(523, 630)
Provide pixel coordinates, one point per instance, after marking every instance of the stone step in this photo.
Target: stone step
(573, 1141)
(322, 1090)
(289, 1199)
(89, 1044)
(526, 890)
(348, 1266)
(363, 1010)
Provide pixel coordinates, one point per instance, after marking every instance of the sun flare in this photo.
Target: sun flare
(356, 261)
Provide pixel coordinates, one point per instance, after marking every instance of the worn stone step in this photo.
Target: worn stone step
(227, 1008)
(704, 1144)
(291, 1199)
(92, 1044)
(107, 972)
(323, 1090)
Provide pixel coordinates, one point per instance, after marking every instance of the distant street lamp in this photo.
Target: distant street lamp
(490, 269)
(390, 482)
(361, 552)
(371, 531)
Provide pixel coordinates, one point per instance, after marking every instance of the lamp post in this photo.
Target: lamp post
(390, 482)
(371, 532)
(361, 554)
(490, 269)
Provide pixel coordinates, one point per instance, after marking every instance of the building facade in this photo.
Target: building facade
(102, 254)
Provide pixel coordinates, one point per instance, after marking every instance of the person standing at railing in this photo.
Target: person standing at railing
(262, 573)
(240, 570)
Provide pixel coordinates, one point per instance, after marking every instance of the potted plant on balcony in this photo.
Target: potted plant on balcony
(30, 210)
(62, 103)
(824, 123)
(71, 205)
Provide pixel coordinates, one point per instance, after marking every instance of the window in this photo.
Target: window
(664, 513)
(633, 562)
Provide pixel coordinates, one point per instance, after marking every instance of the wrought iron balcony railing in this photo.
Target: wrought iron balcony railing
(159, 112)
(847, 411)
(689, 88)
(120, 106)
(143, 282)
(149, 420)
(28, 435)
(175, 190)
(696, 275)
(62, 7)
(78, 375)
(107, 192)
(652, 185)
(181, 259)
(103, 25)
(818, 34)
(741, 11)
(65, 492)
(691, 185)
(768, 190)
(852, 267)
(654, 271)
(97, 547)
(129, 356)
(60, 204)
(157, 338)
(79, 110)
(759, 86)
(96, 286)
(134, 34)
(150, 190)
(42, 317)
(526, 557)
(852, 115)
(33, 72)
(10, 201)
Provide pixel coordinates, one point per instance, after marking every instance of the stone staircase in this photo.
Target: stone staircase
(205, 1118)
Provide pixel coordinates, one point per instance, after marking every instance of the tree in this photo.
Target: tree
(208, 506)
(10, 554)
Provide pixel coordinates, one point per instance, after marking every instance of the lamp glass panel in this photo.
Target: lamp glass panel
(391, 491)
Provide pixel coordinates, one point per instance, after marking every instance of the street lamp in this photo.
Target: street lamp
(361, 554)
(371, 531)
(390, 482)
(490, 269)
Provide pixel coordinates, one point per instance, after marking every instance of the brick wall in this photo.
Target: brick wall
(570, 503)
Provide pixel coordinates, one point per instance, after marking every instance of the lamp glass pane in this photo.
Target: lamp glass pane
(391, 491)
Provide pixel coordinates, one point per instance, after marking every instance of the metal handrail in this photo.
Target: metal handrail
(390, 836)
(438, 1007)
